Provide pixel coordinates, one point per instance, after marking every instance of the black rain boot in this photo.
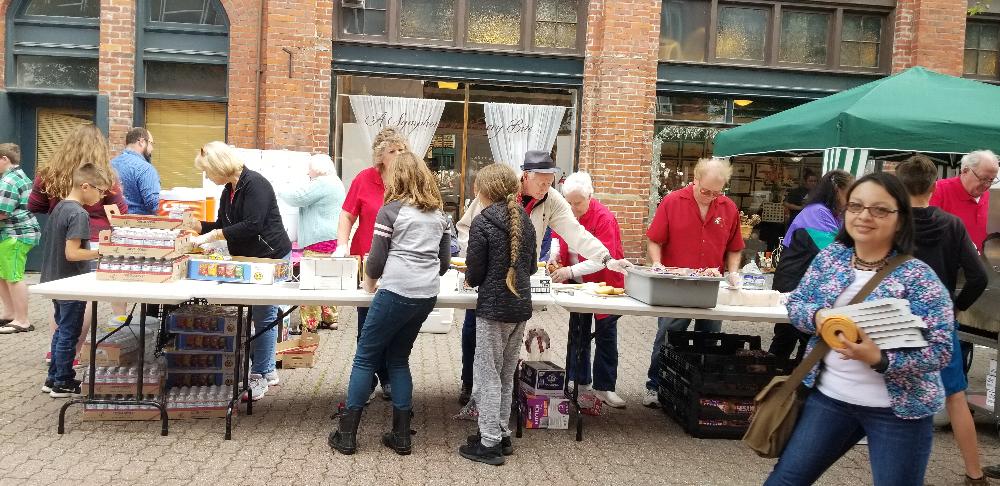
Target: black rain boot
(399, 438)
(345, 438)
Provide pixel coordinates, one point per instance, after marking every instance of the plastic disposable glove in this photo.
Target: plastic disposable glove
(734, 279)
(620, 266)
(340, 252)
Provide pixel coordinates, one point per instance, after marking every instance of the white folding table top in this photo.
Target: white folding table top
(623, 305)
(86, 287)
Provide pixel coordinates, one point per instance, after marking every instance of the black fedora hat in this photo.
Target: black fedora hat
(539, 161)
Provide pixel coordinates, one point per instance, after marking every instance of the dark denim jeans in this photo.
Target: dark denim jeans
(605, 333)
(69, 325)
(665, 325)
(263, 348)
(897, 448)
(381, 375)
(386, 339)
(468, 346)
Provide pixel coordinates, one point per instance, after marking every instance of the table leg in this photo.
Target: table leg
(518, 411)
(242, 356)
(582, 339)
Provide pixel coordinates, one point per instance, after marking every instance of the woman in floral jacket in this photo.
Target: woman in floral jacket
(890, 396)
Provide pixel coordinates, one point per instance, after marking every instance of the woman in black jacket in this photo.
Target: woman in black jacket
(251, 225)
(501, 259)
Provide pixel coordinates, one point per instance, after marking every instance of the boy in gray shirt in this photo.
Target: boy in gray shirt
(65, 252)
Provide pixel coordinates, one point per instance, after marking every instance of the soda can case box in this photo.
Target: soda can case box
(116, 218)
(543, 377)
(186, 378)
(265, 271)
(205, 343)
(178, 361)
(559, 410)
(536, 411)
(329, 273)
(202, 320)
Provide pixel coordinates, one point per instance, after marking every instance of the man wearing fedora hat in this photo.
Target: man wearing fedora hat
(546, 208)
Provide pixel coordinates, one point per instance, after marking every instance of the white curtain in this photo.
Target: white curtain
(514, 129)
(851, 160)
(415, 118)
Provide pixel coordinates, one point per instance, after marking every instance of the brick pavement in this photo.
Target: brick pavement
(284, 442)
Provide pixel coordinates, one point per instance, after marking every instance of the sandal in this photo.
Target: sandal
(11, 329)
(4, 322)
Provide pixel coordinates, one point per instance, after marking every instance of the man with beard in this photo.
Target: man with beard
(139, 179)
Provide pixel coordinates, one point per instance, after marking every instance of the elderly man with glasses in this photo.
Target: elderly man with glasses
(963, 195)
(694, 227)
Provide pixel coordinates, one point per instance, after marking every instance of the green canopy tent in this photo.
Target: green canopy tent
(917, 110)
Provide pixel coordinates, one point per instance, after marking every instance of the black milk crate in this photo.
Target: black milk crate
(706, 421)
(723, 384)
(709, 352)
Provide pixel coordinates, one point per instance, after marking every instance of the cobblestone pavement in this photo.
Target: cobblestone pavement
(284, 442)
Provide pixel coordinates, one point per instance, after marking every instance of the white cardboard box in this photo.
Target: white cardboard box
(328, 273)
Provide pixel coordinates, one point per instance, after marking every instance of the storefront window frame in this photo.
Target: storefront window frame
(75, 37)
(773, 35)
(340, 111)
(529, 13)
(986, 20)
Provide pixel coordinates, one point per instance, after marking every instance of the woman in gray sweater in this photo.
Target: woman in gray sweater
(409, 252)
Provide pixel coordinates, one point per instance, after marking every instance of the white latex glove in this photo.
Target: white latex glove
(735, 280)
(561, 275)
(619, 266)
(340, 252)
(200, 240)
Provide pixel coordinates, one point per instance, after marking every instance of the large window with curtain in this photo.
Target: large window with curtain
(465, 137)
(550, 26)
(181, 82)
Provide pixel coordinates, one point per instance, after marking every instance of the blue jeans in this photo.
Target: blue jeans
(665, 324)
(381, 374)
(468, 346)
(606, 356)
(69, 325)
(898, 449)
(262, 348)
(390, 329)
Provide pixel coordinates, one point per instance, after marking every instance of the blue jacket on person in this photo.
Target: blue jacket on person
(139, 180)
(319, 203)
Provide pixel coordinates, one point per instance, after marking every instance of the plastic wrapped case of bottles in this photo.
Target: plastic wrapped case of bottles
(143, 248)
(200, 363)
(119, 383)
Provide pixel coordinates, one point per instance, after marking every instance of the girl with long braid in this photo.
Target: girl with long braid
(501, 258)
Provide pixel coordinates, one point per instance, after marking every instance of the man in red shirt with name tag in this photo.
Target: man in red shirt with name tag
(694, 227)
(967, 194)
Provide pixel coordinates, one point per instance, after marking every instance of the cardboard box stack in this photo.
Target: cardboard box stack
(201, 362)
(542, 396)
(329, 273)
(121, 383)
(143, 248)
(299, 352)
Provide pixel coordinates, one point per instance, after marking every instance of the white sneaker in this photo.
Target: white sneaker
(272, 377)
(258, 387)
(611, 398)
(650, 399)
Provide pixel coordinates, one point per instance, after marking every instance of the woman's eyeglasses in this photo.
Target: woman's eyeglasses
(708, 193)
(875, 211)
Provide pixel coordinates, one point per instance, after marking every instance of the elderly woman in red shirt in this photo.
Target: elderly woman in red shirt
(364, 199)
(600, 222)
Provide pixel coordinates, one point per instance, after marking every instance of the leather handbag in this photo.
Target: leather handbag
(778, 404)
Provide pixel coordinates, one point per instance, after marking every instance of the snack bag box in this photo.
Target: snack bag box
(264, 271)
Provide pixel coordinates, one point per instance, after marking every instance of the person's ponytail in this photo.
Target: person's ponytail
(516, 229)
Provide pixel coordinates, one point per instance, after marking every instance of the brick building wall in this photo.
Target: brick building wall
(619, 103)
(116, 75)
(243, 47)
(929, 33)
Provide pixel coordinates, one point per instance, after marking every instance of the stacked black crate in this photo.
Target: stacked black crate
(708, 381)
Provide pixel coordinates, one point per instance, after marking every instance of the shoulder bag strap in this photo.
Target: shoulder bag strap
(818, 352)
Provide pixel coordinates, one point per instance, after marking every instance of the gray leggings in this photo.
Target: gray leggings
(498, 346)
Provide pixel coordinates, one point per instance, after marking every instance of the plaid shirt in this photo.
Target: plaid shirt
(19, 223)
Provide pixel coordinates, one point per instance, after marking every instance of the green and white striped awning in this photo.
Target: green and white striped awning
(851, 160)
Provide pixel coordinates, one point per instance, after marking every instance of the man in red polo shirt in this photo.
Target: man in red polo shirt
(967, 194)
(695, 227)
